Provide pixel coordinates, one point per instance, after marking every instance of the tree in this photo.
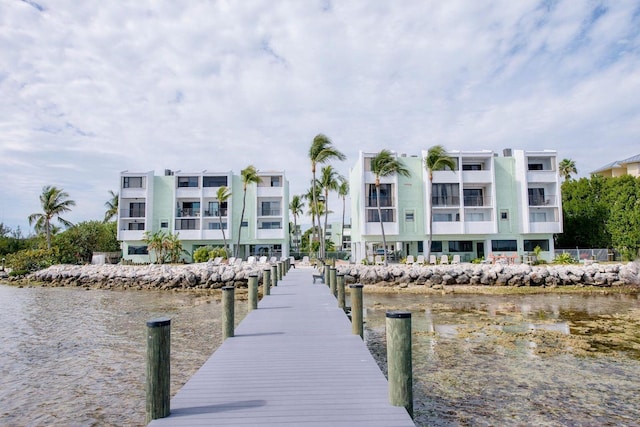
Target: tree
(343, 192)
(320, 152)
(623, 198)
(385, 164)
(54, 202)
(156, 243)
(437, 159)
(222, 195)
(249, 175)
(329, 181)
(295, 206)
(566, 168)
(112, 206)
(78, 243)
(313, 196)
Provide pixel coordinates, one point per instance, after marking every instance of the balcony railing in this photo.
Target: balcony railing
(187, 212)
(270, 212)
(132, 213)
(441, 202)
(540, 200)
(477, 201)
(216, 212)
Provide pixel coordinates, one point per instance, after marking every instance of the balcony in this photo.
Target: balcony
(542, 200)
(445, 202)
(132, 213)
(270, 212)
(187, 212)
(477, 201)
(216, 213)
(385, 202)
(481, 177)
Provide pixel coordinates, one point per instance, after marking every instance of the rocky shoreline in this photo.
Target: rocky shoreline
(209, 276)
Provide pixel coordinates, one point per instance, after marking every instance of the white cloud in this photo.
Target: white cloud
(93, 88)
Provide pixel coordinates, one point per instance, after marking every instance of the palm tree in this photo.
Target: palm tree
(321, 151)
(329, 181)
(385, 164)
(313, 196)
(112, 206)
(222, 195)
(249, 175)
(295, 206)
(54, 202)
(343, 192)
(437, 159)
(566, 168)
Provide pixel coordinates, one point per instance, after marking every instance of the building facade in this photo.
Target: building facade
(489, 205)
(186, 204)
(629, 166)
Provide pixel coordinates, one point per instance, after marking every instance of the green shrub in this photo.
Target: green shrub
(217, 252)
(202, 254)
(33, 259)
(564, 258)
(15, 273)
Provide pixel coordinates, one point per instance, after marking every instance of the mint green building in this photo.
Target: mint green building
(186, 204)
(490, 206)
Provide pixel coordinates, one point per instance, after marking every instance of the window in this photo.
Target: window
(472, 167)
(276, 181)
(387, 215)
(409, 216)
(529, 245)
(216, 209)
(504, 215)
(138, 226)
(460, 246)
(436, 246)
(132, 182)
(164, 223)
(536, 197)
(446, 217)
(270, 208)
(386, 198)
(504, 245)
(189, 209)
(474, 216)
(538, 217)
(136, 210)
(137, 250)
(473, 197)
(445, 195)
(187, 224)
(244, 224)
(270, 225)
(536, 166)
(214, 181)
(216, 226)
(420, 246)
(188, 181)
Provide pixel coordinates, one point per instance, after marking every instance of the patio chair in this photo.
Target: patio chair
(456, 259)
(305, 261)
(262, 260)
(410, 259)
(251, 260)
(433, 260)
(420, 259)
(444, 259)
(378, 260)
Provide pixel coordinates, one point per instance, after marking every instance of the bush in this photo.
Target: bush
(564, 258)
(33, 259)
(202, 254)
(217, 252)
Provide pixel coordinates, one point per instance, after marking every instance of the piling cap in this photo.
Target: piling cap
(228, 288)
(357, 285)
(160, 321)
(398, 314)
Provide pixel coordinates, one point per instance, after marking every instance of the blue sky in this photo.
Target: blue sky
(89, 89)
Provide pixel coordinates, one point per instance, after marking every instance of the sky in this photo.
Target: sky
(89, 89)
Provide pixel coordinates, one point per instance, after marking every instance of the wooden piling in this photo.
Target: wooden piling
(228, 311)
(253, 291)
(158, 379)
(357, 321)
(327, 274)
(266, 281)
(399, 362)
(332, 281)
(274, 275)
(340, 285)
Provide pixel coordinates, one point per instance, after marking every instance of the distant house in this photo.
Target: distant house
(630, 166)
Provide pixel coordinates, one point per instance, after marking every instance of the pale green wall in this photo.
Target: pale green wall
(411, 197)
(163, 202)
(507, 196)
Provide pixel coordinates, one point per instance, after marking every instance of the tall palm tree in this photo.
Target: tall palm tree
(329, 181)
(222, 195)
(320, 152)
(343, 192)
(249, 175)
(566, 167)
(112, 206)
(295, 206)
(437, 159)
(54, 202)
(385, 164)
(313, 196)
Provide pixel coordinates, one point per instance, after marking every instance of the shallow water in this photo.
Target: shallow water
(544, 360)
(73, 357)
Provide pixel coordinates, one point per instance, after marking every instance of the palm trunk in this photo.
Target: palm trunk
(244, 198)
(384, 239)
(315, 205)
(342, 229)
(326, 216)
(224, 238)
(295, 232)
(429, 217)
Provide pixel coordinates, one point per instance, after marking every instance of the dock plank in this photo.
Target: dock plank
(293, 361)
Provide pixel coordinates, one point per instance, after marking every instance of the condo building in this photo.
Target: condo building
(488, 205)
(186, 204)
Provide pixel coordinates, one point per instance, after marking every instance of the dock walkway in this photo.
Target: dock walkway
(293, 361)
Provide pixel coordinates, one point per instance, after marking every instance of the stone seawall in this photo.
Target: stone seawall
(209, 276)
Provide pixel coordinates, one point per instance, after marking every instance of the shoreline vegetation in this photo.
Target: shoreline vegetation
(415, 279)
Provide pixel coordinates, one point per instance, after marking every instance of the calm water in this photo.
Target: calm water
(76, 358)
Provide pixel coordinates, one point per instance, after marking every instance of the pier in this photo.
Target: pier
(292, 361)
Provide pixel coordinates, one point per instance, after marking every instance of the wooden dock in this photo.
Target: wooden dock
(293, 361)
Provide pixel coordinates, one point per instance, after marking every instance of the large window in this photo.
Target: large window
(189, 209)
(473, 197)
(387, 215)
(137, 226)
(216, 209)
(530, 245)
(137, 250)
(188, 181)
(460, 246)
(216, 226)
(436, 246)
(386, 198)
(276, 181)
(136, 210)
(446, 217)
(270, 209)
(270, 225)
(187, 224)
(504, 245)
(214, 181)
(536, 197)
(445, 195)
(538, 217)
(472, 167)
(132, 182)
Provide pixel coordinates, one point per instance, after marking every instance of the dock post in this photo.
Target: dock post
(274, 275)
(158, 368)
(327, 279)
(279, 269)
(266, 282)
(332, 281)
(253, 291)
(399, 359)
(357, 324)
(228, 301)
(340, 284)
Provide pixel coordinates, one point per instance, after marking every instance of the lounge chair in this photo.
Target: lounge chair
(433, 260)
(420, 259)
(456, 259)
(305, 261)
(378, 260)
(444, 259)
(262, 260)
(251, 260)
(410, 259)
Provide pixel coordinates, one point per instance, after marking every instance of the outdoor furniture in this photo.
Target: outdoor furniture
(433, 260)
(420, 259)
(378, 260)
(456, 259)
(410, 259)
(444, 259)
(305, 261)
